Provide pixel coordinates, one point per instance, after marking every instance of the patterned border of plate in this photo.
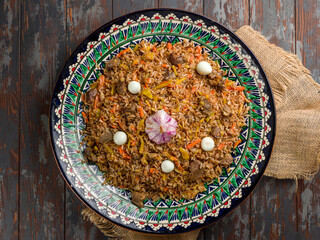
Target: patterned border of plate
(225, 192)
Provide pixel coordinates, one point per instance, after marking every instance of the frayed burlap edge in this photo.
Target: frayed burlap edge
(107, 228)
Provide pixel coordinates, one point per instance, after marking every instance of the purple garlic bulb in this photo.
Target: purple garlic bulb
(161, 127)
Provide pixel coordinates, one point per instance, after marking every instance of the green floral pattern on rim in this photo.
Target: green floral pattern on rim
(114, 203)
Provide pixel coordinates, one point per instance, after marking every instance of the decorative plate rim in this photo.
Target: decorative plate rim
(165, 12)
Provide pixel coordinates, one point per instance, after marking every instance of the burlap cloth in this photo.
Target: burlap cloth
(296, 150)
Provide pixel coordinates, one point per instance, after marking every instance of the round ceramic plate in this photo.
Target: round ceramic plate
(164, 216)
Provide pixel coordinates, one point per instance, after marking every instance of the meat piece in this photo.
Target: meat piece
(115, 62)
(94, 158)
(106, 136)
(168, 75)
(121, 88)
(138, 197)
(228, 159)
(226, 111)
(175, 59)
(212, 76)
(207, 105)
(130, 109)
(221, 84)
(87, 153)
(90, 95)
(216, 80)
(194, 169)
(216, 132)
(129, 113)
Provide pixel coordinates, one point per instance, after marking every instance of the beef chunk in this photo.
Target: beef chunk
(138, 197)
(221, 84)
(87, 153)
(215, 132)
(90, 95)
(216, 80)
(106, 136)
(194, 169)
(115, 62)
(130, 109)
(226, 111)
(175, 59)
(168, 75)
(129, 113)
(228, 159)
(206, 105)
(121, 88)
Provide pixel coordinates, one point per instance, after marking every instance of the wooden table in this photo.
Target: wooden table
(37, 37)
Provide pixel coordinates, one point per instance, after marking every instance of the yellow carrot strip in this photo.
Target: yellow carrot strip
(180, 80)
(141, 149)
(136, 47)
(174, 70)
(163, 84)
(147, 93)
(169, 45)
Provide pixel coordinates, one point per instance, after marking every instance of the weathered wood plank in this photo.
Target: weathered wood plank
(273, 206)
(122, 7)
(82, 19)
(308, 50)
(42, 54)
(276, 21)
(9, 119)
(232, 14)
(308, 35)
(189, 5)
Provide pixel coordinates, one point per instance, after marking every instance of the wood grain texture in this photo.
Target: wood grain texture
(230, 13)
(42, 53)
(275, 19)
(122, 7)
(9, 119)
(189, 5)
(82, 19)
(308, 50)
